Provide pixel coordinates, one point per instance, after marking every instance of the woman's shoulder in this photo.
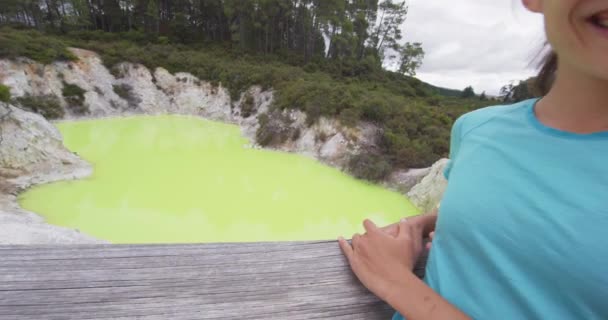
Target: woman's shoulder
(480, 117)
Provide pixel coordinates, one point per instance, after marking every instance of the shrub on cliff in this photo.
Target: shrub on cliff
(369, 166)
(5, 93)
(74, 96)
(48, 106)
(123, 91)
(34, 45)
(275, 128)
(248, 106)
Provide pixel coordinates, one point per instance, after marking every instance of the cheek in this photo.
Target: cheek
(560, 35)
(596, 63)
(574, 42)
(562, 25)
(564, 35)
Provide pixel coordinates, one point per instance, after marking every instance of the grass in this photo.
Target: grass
(34, 45)
(48, 106)
(74, 96)
(5, 93)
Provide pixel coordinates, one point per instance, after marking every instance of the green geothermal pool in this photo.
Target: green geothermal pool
(181, 179)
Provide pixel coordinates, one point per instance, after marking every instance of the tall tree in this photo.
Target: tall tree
(468, 92)
(387, 32)
(411, 55)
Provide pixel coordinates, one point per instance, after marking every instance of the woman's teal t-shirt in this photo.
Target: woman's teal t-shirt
(523, 226)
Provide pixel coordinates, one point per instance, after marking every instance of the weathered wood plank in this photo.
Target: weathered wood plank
(295, 280)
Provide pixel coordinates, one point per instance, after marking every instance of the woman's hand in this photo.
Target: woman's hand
(380, 260)
(383, 261)
(426, 221)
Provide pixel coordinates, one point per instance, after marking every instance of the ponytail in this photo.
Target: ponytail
(546, 75)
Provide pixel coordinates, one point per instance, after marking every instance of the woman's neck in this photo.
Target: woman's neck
(576, 103)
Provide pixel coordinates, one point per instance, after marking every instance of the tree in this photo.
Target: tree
(483, 96)
(357, 34)
(411, 58)
(524, 90)
(468, 92)
(152, 17)
(387, 32)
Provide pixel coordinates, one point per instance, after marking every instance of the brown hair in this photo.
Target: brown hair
(546, 75)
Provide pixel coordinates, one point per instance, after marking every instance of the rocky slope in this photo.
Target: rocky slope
(31, 150)
(133, 89)
(427, 194)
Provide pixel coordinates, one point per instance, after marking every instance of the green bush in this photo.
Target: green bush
(275, 128)
(163, 40)
(5, 93)
(123, 91)
(248, 106)
(74, 96)
(350, 117)
(72, 90)
(34, 45)
(369, 166)
(48, 106)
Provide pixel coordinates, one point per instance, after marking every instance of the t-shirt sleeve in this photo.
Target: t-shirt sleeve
(455, 138)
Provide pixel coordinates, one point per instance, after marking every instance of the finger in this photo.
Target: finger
(429, 245)
(369, 226)
(346, 248)
(391, 230)
(432, 235)
(355, 241)
(404, 229)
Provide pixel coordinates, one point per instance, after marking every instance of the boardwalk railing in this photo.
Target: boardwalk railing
(289, 280)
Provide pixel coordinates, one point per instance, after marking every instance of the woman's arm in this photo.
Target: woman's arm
(384, 263)
(415, 301)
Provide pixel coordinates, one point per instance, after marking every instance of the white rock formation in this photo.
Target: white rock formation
(405, 179)
(18, 226)
(159, 92)
(29, 142)
(428, 193)
(31, 152)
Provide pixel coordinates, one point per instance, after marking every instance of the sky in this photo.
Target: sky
(482, 43)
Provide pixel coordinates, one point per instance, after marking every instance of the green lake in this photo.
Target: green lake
(167, 179)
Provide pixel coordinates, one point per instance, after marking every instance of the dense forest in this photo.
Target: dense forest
(310, 29)
(321, 56)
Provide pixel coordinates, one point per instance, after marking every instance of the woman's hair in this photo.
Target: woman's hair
(546, 75)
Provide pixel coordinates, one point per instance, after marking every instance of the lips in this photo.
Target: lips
(600, 19)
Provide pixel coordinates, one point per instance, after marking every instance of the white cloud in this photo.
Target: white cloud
(483, 43)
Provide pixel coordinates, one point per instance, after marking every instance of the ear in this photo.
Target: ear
(534, 5)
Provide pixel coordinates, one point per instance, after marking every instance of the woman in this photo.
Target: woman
(523, 223)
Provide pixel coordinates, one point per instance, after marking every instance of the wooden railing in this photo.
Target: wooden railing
(289, 280)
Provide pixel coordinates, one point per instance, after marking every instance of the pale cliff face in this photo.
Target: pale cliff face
(28, 141)
(32, 152)
(158, 92)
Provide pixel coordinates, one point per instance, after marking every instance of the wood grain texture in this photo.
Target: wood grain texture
(284, 280)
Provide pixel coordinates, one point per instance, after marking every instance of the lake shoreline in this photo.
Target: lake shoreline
(158, 92)
(313, 193)
(20, 226)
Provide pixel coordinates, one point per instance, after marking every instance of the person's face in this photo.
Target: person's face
(578, 32)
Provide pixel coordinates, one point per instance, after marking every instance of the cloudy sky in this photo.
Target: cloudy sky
(483, 43)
